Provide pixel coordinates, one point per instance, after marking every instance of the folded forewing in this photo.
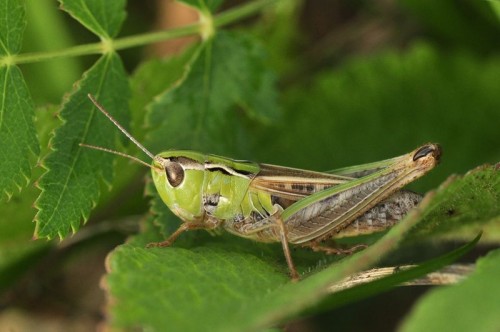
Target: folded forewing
(293, 183)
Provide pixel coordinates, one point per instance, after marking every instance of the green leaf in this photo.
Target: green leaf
(104, 18)
(12, 25)
(464, 206)
(71, 185)
(202, 114)
(18, 140)
(456, 308)
(156, 77)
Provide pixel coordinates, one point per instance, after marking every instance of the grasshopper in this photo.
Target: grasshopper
(269, 203)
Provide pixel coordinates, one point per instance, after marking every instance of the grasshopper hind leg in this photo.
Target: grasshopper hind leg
(286, 249)
(379, 218)
(382, 216)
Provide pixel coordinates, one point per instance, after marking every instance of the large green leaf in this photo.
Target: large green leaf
(71, 185)
(202, 113)
(156, 77)
(247, 280)
(18, 142)
(471, 305)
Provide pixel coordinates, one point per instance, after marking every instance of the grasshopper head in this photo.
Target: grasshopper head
(178, 176)
(419, 162)
(428, 155)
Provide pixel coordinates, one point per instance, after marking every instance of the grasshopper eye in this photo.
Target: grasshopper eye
(175, 173)
(424, 151)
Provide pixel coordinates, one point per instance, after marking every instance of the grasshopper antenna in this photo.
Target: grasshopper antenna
(116, 152)
(126, 133)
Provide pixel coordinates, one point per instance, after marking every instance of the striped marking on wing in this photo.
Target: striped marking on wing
(292, 183)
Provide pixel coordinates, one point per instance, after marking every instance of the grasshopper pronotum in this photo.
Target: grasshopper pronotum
(269, 203)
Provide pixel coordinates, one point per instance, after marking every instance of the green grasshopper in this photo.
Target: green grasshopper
(269, 203)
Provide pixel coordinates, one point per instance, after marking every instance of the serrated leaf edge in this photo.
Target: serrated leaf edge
(84, 216)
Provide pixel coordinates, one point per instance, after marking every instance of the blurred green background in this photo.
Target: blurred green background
(358, 81)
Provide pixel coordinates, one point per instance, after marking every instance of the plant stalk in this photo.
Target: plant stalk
(102, 47)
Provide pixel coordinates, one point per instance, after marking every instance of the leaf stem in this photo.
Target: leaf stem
(157, 36)
(236, 13)
(220, 20)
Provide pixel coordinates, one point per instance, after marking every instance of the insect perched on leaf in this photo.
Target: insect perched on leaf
(269, 203)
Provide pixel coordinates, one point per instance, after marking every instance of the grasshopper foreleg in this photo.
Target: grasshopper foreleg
(171, 239)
